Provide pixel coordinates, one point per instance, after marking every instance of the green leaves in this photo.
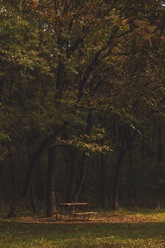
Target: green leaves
(85, 53)
(84, 143)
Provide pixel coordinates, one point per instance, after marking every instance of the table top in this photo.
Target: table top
(74, 204)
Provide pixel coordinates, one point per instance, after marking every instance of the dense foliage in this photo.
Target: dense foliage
(82, 101)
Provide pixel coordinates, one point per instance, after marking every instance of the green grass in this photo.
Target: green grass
(16, 234)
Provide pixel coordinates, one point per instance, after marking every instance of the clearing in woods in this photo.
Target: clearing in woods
(117, 229)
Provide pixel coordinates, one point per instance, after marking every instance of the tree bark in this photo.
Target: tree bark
(104, 201)
(18, 205)
(160, 146)
(51, 195)
(72, 182)
(117, 179)
(159, 160)
(123, 141)
(13, 181)
(83, 165)
(81, 180)
(33, 199)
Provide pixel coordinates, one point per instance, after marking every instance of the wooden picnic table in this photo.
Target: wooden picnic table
(75, 209)
(73, 205)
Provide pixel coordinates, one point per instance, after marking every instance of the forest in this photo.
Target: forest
(82, 104)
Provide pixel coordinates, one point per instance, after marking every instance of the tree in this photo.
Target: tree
(69, 60)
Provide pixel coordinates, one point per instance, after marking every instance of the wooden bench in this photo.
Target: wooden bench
(85, 215)
(69, 211)
(71, 208)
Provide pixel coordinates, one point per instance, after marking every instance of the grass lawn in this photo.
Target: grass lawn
(19, 233)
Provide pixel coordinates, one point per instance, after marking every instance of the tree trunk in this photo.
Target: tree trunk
(122, 137)
(81, 180)
(117, 179)
(18, 205)
(159, 160)
(51, 198)
(12, 181)
(33, 198)
(131, 197)
(104, 201)
(83, 165)
(160, 146)
(12, 174)
(72, 182)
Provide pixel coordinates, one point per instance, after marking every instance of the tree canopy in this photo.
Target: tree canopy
(85, 78)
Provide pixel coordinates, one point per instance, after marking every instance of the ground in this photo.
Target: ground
(112, 229)
(116, 217)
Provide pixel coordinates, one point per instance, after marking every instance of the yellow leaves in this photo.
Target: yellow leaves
(141, 23)
(98, 101)
(151, 28)
(83, 61)
(31, 3)
(145, 29)
(162, 37)
(94, 103)
(118, 21)
(86, 143)
(35, 1)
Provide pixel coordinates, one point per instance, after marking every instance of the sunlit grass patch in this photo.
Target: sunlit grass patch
(155, 215)
(17, 234)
